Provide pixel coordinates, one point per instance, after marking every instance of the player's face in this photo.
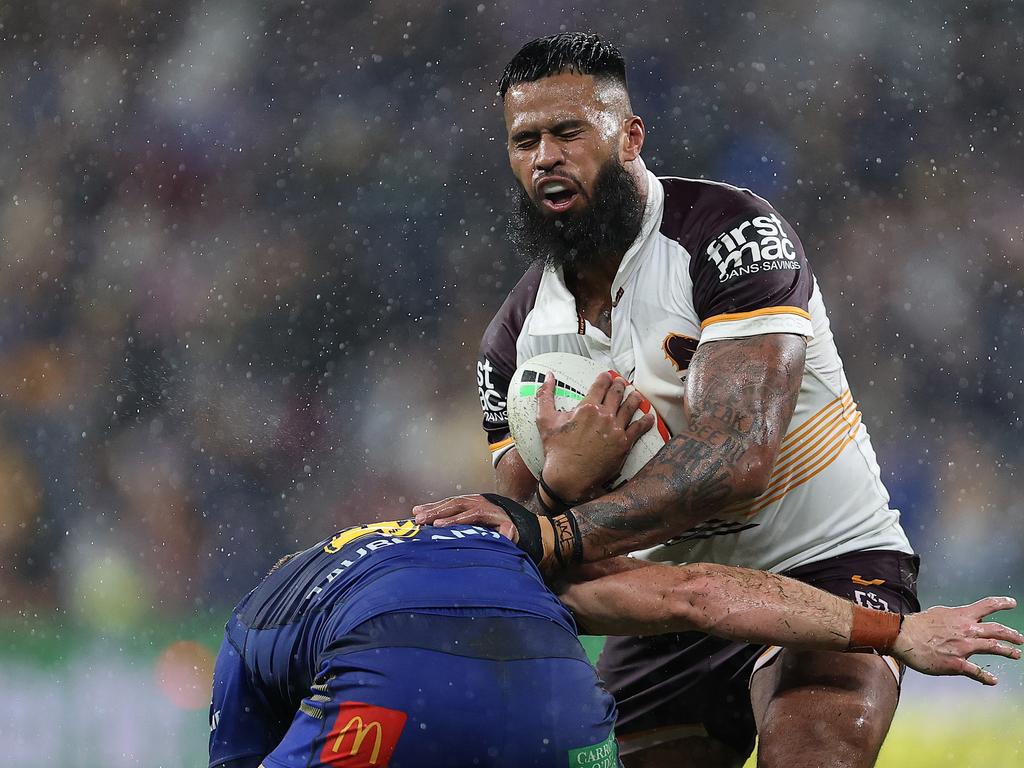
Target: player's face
(561, 131)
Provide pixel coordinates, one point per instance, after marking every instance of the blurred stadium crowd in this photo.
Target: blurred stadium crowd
(247, 250)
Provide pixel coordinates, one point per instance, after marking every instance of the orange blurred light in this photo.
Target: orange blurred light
(184, 673)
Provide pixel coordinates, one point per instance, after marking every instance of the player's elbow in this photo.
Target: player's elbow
(753, 474)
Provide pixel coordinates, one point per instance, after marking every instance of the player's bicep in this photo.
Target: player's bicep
(748, 380)
(747, 389)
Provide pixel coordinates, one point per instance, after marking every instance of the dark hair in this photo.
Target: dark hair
(579, 52)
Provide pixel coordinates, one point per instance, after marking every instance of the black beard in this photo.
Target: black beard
(598, 234)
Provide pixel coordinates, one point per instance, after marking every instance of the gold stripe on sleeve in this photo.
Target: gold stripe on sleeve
(727, 318)
(502, 444)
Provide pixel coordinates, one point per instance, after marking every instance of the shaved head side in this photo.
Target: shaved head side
(573, 52)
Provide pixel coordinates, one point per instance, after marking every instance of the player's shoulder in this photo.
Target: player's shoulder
(508, 322)
(696, 209)
(521, 298)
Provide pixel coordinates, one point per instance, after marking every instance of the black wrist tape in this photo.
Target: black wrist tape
(568, 541)
(526, 524)
(548, 511)
(577, 538)
(561, 505)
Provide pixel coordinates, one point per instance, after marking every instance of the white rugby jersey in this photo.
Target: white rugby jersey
(714, 262)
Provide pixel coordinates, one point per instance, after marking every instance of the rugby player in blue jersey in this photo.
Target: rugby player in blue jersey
(395, 644)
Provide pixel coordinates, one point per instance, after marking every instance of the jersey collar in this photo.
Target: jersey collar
(554, 310)
(653, 213)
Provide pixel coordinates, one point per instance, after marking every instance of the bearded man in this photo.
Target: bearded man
(700, 294)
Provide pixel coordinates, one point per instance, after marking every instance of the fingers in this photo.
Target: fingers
(994, 648)
(988, 605)
(973, 671)
(424, 514)
(616, 390)
(996, 631)
(465, 510)
(606, 390)
(546, 397)
(490, 517)
(629, 406)
(599, 390)
(639, 428)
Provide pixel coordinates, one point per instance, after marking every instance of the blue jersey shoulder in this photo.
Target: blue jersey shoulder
(317, 577)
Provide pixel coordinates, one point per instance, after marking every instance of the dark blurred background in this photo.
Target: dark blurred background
(247, 251)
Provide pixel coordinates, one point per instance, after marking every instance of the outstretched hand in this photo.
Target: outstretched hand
(940, 641)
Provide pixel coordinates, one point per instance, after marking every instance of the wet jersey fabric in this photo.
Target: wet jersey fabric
(381, 643)
(437, 709)
(714, 262)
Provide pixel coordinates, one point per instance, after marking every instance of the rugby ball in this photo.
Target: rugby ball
(573, 376)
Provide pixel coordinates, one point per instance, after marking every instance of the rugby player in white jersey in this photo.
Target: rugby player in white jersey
(701, 295)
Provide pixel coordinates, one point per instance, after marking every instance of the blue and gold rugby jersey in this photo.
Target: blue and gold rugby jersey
(303, 610)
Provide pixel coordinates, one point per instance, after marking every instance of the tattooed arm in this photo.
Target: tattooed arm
(740, 396)
(630, 597)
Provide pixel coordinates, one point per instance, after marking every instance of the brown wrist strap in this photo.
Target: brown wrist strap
(874, 630)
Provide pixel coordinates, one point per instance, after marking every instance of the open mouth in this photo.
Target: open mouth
(557, 196)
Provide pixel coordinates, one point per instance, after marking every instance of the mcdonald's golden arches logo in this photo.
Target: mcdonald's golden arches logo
(363, 736)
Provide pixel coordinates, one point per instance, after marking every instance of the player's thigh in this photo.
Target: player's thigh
(822, 708)
(683, 699)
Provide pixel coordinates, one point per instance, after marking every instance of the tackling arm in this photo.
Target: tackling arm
(623, 596)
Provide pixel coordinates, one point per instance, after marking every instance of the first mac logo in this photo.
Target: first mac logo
(739, 252)
(363, 736)
(492, 387)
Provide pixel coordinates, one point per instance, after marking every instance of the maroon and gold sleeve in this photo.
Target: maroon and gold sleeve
(747, 265)
(498, 361)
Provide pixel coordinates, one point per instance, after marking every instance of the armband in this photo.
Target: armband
(874, 630)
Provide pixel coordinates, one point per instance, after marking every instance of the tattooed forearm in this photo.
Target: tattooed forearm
(740, 397)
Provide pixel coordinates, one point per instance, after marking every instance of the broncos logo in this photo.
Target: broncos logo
(679, 350)
(401, 528)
